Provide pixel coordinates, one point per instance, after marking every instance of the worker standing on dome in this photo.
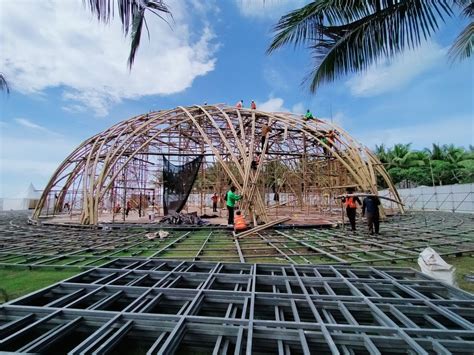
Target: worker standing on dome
(239, 104)
(253, 105)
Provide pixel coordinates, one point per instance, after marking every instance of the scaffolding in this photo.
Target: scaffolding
(311, 161)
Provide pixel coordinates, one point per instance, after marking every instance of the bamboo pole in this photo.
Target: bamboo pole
(262, 227)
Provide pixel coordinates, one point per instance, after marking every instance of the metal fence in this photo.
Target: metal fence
(449, 198)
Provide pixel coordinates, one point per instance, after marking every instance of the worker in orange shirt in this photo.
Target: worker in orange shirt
(350, 202)
(239, 222)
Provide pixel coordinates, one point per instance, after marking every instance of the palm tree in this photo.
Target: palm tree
(132, 16)
(399, 156)
(350, 35)
(460, 163)
(382, 153)
(436, 152)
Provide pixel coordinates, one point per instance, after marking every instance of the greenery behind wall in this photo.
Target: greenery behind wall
(440, 165)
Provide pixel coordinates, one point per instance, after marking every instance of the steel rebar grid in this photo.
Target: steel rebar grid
(403, 238)
(171, 306)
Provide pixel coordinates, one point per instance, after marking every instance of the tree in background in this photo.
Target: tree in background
(440, 165)
(351, 35)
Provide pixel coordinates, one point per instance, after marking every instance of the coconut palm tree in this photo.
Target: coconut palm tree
(350, 35)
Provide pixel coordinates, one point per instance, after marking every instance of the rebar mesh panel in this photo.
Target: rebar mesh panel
(215, 308)
(178, 181)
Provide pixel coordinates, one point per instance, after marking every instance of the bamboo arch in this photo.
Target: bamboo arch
(126, 157)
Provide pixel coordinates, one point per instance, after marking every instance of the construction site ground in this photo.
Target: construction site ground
(402, 238)
(318, 289)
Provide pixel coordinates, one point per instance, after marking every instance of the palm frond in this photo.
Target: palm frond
(136, 35)
(386, 33)
(4, 84)
(131, 14)
(304, 25)
(463, 46)
(349, 36)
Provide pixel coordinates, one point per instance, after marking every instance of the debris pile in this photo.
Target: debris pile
(152, 235)
(182, 218)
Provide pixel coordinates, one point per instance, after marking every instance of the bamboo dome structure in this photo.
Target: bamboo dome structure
(306, 161)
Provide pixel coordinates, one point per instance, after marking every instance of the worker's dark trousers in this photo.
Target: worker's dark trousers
(351, 214)
(231, 215)
(373, 221)
(214, 207)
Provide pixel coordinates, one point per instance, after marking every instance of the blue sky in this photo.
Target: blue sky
(69, 80)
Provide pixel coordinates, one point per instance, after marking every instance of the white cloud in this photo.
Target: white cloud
(387, 76)
(31, 125)
(268, 8)
(57, 43)
(456, 130)
(276, 104)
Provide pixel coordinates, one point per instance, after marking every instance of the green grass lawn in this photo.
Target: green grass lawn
(17, 283)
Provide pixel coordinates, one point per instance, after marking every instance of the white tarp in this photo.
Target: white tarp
(433, 265)
(25, 201)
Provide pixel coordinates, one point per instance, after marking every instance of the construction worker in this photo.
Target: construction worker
(253, 105)
(239, 224)
(255, 162)
(350, 202)
(324, 140)
(370, 208)
(129, 207)
(331, 137)
(231, 199)
(240, 104)
(308, 115)
(215, 199)
(265, 131)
